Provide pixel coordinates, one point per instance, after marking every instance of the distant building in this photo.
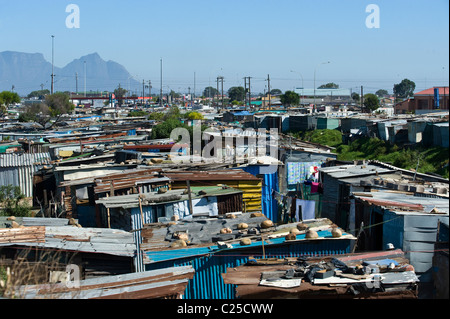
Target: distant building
(237, 116)
(324, 96)
(425, 101)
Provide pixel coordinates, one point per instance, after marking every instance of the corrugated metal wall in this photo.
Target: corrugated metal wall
(269, 204)
(330, 197)
(440, 134)
(393, 229)
(418, 242)
(251, 191)
(208, 282)
(18, 170)
(416, 236)
(327, 123)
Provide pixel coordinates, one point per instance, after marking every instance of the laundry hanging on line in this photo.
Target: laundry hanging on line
(298, 172)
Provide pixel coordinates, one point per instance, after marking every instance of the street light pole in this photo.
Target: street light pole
(53, 52)
(161, 93)
(314, 107)
(303, 87)
(84, 78)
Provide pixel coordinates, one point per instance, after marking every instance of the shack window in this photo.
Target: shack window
(158, 211)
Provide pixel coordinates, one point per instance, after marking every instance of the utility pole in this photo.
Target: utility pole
(249, 94)
(217, 91)
(245, 92)
(53, 75)
(143, 92)
(268, 90)
(221, 78)
(362, 98)
(190, 97)
(149, 89)
(84, 78)
(249, 91)
(76, 82)
(160, 96)
(194, 85)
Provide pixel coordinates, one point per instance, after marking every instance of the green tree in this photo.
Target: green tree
(39, 94)
(164, 129)
(290, 98)
(381, 93)
(156, 116)
(174, 95)
(7, 98)
(36, 112)
(11, 202)
(172, 113)
(236, 93)
(371, 102)
(137, 113)
(194, 115)
(58, 105)
(404, 89)
(355, 97)
(330, 85)
(210, 92)
(120, 93)
(276, 92)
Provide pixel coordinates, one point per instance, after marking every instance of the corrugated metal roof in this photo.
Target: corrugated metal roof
(161, 283)
(164, 255)
(346, 171)
(223, 175)
(404, 201)
(25, 159)
(208, 282)
(93, 240)
(154, 198)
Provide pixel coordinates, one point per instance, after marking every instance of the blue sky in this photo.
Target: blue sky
(240, 38)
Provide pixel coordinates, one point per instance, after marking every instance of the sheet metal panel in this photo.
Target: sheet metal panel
(208, 282)
(18, 170)
(269, 204)
(415, 235)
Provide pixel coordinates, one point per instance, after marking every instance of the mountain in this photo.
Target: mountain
(27, 71)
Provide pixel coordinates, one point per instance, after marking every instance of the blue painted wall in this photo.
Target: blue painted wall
(208, 282)
(270, 183)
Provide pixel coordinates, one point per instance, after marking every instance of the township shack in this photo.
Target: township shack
(168, 283)
(59, 242)
(406, 221)
(214, 245)
(250, 185)
(368, 275)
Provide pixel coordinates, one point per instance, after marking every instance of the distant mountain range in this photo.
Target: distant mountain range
(28, 71)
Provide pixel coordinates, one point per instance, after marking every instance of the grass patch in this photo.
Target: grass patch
(433, 159)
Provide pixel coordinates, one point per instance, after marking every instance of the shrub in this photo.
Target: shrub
(11, 201)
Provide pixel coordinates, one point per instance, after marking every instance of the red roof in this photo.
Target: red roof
(442, 90)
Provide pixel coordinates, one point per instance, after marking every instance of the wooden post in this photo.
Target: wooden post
(191, 210)
(262, 241)
(109, 218)
(108, 214)
(140, 208)
(111, 188)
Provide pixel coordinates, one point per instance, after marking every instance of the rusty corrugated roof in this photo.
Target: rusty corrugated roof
(162, 283)
(221, 175)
